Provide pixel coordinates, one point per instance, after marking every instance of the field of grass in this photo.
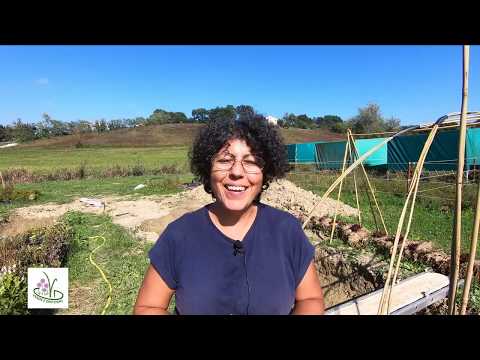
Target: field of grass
(123, 259)
(433, 214)
(44, 160)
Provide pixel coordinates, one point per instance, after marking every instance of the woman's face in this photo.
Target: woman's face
(237, 187)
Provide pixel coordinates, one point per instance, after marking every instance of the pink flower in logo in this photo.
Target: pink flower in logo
(42, 281)
(39, 284)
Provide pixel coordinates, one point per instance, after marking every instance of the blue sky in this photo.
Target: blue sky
(413, 83)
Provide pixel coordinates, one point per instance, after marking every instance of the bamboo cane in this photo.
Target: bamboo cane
(369, 185)
(386, 290)
(349, 170)
(367, 192)
(347, 147)
(457, 234)
(355, 184)
(471, 260)
(415, 183)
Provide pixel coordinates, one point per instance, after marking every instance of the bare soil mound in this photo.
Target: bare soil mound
(147, 217)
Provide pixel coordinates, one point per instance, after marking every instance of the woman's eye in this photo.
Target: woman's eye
(224, 161)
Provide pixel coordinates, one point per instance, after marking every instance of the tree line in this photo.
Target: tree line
(369, 119)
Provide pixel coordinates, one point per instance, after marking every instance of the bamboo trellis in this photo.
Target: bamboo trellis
(384, 305)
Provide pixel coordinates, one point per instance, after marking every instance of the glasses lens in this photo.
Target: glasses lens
(223, 163)
(253, 166)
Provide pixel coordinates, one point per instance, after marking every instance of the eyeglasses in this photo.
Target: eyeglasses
(249, 166)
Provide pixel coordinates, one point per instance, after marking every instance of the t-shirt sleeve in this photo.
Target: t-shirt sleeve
(162, 258)
(303, 252)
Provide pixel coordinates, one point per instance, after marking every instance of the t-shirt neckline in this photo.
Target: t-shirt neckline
(227, 238)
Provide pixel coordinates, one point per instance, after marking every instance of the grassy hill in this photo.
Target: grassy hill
(163, 135)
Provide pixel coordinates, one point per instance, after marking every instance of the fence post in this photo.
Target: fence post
(474, 169)
(408, 175)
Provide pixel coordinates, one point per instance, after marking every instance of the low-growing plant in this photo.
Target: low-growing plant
(45, 246)
(138, 169)
(82, 170)
(9, 194)
(13, 294)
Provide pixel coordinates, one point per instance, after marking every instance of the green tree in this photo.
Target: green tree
(23, 132)
(5, 133)
(222, 113)
(339, 127)
(200, 115)
(138, 121)
(160, 116)
(116, 124)
(178, 117)
(300, 121)
(244, 112)
(82, 126)
(368, 120)
(101, 126)
(304, 122)
(50, 127)
(392, 124)
(329, 120)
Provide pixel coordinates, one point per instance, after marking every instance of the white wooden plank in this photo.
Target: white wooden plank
(403, 294)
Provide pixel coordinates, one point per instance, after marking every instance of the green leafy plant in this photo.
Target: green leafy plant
(13, 295)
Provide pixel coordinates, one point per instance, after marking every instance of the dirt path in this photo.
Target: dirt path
(147, 217)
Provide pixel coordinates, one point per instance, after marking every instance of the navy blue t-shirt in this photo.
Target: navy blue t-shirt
(197, 260)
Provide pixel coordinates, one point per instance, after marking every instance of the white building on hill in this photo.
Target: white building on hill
(272, 119)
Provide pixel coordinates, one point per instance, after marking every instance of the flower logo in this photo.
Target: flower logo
(45, 290)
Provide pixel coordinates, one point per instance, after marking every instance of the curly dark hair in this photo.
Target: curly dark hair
(263, 138)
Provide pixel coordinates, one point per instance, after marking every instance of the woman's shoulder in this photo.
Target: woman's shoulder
(277, 215)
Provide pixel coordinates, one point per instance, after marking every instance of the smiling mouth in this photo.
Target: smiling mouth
(236, 188)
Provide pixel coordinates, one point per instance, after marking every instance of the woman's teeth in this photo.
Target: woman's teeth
(235, 188)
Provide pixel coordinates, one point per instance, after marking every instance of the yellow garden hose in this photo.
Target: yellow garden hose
(109, 298)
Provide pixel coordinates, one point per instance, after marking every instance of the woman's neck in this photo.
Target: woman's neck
(229, 218)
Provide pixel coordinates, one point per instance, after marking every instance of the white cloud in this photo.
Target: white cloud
(42, 81)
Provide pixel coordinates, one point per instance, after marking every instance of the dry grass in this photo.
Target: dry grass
(164, 135)
(145, 136)
(16, 225)
(83, 300)
(25, 176)
(297, 136)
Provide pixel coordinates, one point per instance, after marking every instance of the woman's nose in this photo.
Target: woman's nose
(237, 168)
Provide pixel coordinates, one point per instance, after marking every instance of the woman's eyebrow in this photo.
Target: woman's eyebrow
(230, 154)
(243, 157)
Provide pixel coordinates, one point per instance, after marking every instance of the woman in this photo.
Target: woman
(235, 255)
